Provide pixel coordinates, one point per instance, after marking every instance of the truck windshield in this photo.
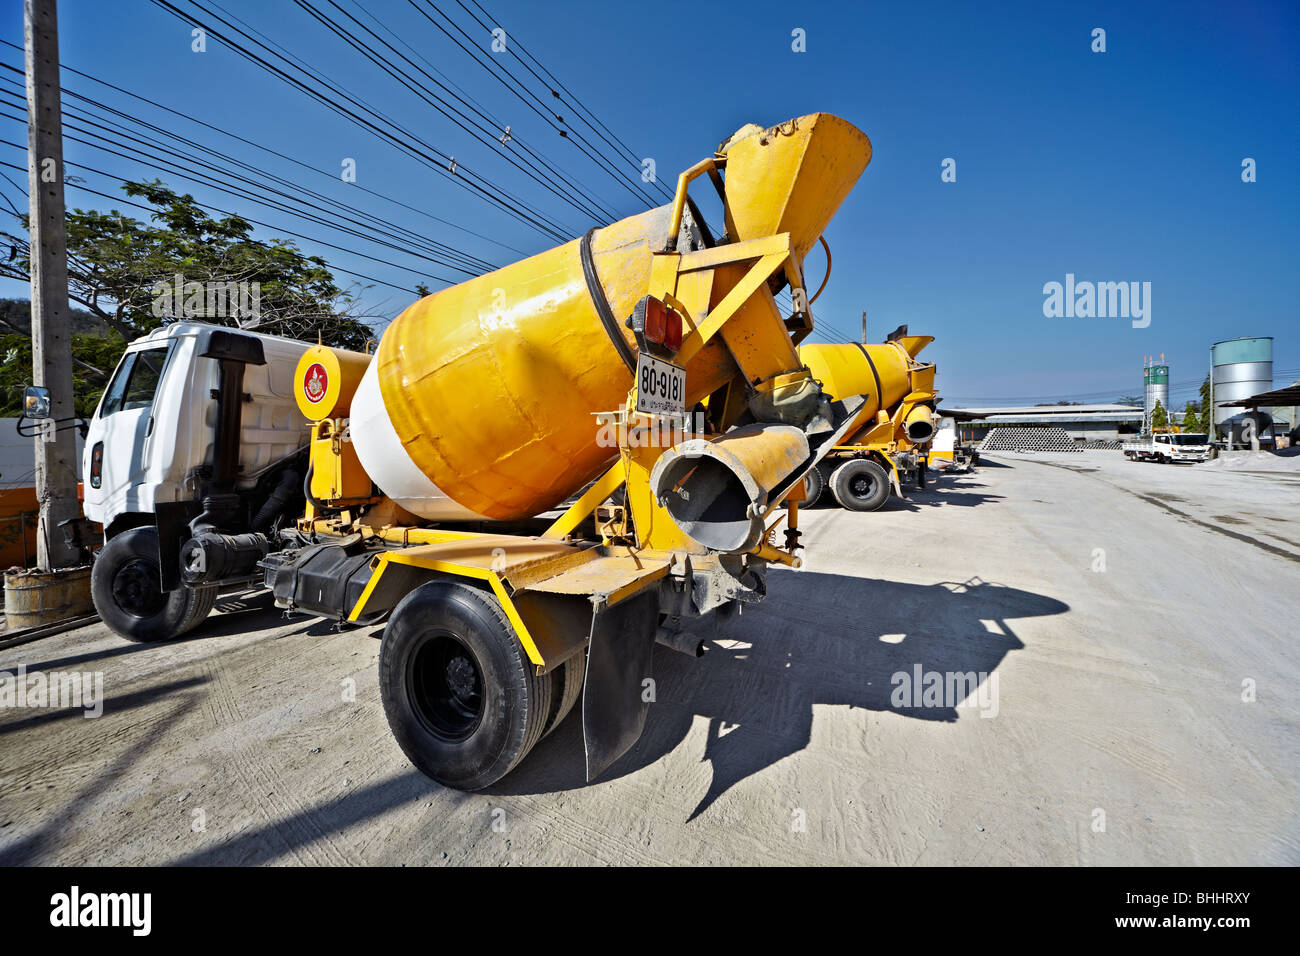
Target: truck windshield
(135, 381)
(1189, 439)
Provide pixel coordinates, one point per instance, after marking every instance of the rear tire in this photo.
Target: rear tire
(566, 688)
(815, 485)
(128, 595)
(860, 485)
(461, 697)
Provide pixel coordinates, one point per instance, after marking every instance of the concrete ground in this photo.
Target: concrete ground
(1133, 626)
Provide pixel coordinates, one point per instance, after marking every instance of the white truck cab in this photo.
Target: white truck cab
(154, 430)
(196, 452)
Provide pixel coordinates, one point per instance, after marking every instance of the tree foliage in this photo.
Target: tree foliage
(118, 268)
(1205, 417)
(1159, 417)
(93, 359)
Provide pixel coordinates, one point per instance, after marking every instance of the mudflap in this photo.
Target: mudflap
(614, 704)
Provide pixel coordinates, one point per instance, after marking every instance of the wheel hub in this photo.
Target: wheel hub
(460, 677)
(446, 687)
(136, 591)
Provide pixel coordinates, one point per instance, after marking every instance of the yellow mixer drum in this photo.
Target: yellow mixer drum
(880, 372)
(481, 400)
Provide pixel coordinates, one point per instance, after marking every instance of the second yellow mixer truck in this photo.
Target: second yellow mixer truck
(495, 481)
(891, 432)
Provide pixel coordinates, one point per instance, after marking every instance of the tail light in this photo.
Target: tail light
(97, 465)
(673, 331)
(663, 326)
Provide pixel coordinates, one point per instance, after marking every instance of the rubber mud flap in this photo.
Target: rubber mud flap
(618, 662)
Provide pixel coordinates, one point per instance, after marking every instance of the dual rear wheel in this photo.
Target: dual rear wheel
(463, 700)
(860, 484)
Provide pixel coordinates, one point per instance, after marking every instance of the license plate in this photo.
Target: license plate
(661, 386)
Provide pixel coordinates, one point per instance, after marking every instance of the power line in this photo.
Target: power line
(150, 209)
(407, 141)
(297, 162)
(243, 185)
(544, 112)
(579, 109)
(489, 134)
(199, 178)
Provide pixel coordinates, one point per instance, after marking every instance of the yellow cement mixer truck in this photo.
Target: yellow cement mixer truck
(890, 434)
(537, 474)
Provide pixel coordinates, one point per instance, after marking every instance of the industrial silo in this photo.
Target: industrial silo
(1155, 381)
(1239, 368)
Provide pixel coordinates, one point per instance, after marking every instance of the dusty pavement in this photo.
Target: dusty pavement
(1114, 608)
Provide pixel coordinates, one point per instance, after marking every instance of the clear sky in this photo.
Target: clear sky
(1117, 166)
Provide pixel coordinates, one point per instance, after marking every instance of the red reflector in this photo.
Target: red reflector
(673, 332)
(656, 320)
(96, 464)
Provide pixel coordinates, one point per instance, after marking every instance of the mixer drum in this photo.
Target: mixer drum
(481, 399)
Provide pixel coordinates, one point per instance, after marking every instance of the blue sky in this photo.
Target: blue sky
(1115, 166)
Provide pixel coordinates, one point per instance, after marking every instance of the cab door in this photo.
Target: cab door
(119, 443)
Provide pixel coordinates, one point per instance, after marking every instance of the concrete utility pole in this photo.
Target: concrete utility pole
(56, 461)
(864, 326)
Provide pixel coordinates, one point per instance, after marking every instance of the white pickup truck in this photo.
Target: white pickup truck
(1168, 446)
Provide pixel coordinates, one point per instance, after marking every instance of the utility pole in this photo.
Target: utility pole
(864, 326)
(56, 459)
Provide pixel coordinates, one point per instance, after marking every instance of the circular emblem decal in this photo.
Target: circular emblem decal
(315, 382)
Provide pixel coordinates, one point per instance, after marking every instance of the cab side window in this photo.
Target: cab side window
(136, 381)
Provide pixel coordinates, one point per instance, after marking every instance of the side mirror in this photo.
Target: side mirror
(36, 402)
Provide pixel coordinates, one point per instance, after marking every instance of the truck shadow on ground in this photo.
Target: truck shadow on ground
(245, 613)
(944, 496)
(941, 489)
(765, 671)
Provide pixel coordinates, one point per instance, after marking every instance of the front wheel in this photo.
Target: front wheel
(461, 697)
(127, 590)
(860, 485)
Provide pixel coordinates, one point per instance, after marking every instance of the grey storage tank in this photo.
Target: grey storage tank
(1155, 382)
(1239, 368)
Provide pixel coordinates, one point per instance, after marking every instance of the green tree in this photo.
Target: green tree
(1159, 417)
(119, 267)
(1192, 417)
(1206, 410)
(93, 359)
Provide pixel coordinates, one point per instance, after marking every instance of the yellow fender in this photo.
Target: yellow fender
(888, 462)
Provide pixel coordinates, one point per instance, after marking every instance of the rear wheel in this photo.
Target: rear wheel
(128, 594)
(566, 688)
(461, 697)
(860, 485)
(815, 484)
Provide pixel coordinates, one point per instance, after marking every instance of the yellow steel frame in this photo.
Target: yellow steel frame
(767, 255)
(460, 570)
